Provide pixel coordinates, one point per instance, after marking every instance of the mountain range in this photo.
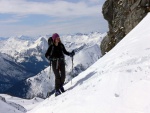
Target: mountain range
(30, 55)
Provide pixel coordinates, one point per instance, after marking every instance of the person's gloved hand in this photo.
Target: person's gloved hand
(72, 53)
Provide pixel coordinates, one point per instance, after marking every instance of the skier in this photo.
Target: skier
(55, 54)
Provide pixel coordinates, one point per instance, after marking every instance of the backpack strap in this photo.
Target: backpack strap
(52, 50)
(62, 49)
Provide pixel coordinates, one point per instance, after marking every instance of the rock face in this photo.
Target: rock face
(122, 17)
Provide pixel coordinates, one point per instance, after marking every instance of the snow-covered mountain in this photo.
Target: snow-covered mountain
(27, 59)
(3, 38)
(17, 104)
(26, 38)
(11, 72)
(26, 51)
(30, 52)
(13, 46)
(10, 108)
(87, 53)
(119, 82)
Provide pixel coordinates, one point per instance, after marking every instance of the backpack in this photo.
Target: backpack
(50, 41)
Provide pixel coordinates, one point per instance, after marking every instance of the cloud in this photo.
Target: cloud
(12, 19)
(94, 1)
(82, 26)
(27, 17)
(9, 21)
(53, 8)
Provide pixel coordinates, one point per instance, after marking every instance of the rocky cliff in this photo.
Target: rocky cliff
(122, 17)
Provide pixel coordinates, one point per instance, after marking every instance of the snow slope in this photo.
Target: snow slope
(117, 83)
(7, 108)
(22, 105)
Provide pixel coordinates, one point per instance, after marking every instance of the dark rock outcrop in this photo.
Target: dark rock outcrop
(122, 17)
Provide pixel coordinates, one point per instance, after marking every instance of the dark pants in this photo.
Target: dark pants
(59, 71)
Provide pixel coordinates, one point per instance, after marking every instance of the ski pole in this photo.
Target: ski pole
(50, 68)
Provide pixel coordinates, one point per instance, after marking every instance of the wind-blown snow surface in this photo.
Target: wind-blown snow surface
(117, 83)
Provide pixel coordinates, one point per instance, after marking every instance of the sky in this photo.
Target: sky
(44, 17)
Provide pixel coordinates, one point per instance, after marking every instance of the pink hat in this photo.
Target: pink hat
(55, 35)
